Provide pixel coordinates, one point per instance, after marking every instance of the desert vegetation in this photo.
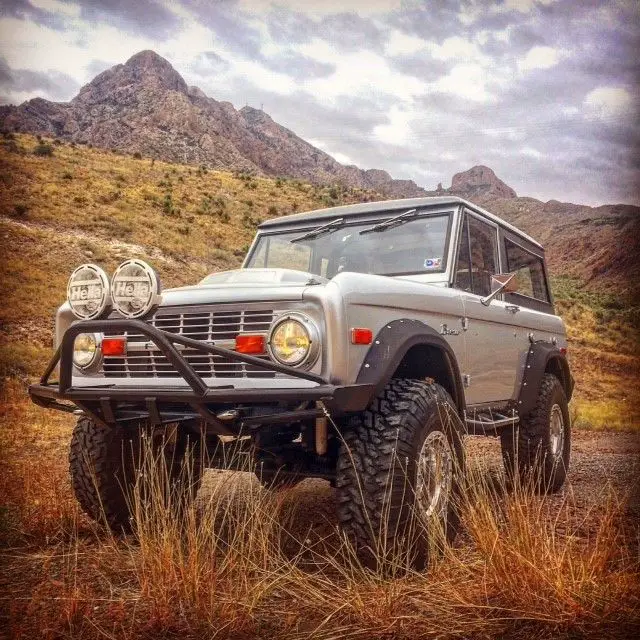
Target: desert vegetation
(242, 561)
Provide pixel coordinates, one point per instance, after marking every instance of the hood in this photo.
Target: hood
(244, 285)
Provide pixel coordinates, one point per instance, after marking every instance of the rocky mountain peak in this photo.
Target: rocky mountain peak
(480, 182)
(145, 69)
(147, 65)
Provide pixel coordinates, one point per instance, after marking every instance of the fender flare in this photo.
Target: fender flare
(539, 356)
(391, 345)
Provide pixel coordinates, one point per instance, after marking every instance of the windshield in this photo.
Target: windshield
(419, 245)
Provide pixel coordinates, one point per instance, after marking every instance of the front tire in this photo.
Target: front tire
(106, 462)
(398, 475)
(537, 451)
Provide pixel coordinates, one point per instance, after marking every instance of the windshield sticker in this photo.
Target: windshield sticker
(433, 263)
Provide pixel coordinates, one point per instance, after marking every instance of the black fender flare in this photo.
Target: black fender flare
(541, 354)
(391, 345)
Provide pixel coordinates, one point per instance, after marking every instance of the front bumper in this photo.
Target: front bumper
(110, 404)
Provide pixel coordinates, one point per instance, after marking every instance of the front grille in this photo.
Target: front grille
(208, 324)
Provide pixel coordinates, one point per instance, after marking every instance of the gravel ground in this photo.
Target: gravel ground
(601, 463)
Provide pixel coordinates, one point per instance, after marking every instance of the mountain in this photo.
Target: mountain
(145, 106)
(480, 182)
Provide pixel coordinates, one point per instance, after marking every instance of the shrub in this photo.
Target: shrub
(137, 155)
(11, 146)
(67, 175)
(43, 149)
(20, 210)
(167, 205)
(272, 211)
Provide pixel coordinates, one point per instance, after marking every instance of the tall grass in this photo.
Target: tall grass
(243, 562)
(237, 563)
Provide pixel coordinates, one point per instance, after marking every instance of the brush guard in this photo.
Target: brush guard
(110, 404)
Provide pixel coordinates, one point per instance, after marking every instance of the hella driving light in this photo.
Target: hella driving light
(88, 292)
(86, 350)
(135, 288)
(294, 341)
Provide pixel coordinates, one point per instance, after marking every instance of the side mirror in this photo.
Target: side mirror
(500, 282)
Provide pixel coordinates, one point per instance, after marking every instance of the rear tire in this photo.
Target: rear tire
(105, 462)
(398, 475)
(537, 451)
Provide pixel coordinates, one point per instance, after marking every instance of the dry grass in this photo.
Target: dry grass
(242, 562)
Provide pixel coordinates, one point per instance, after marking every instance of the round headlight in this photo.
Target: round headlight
(135, 288)
(88, 292)
(86, 350)
(294, 340)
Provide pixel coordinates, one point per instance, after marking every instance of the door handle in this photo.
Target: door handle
(512, 308)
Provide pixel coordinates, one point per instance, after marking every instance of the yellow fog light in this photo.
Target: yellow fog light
(294, 341)
(86, 350)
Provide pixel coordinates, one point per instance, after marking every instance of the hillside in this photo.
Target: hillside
(82, 204)
(145, 106)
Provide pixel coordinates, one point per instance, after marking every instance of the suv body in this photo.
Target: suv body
(394, 290)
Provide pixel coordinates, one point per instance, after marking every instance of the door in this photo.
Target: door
(491, 338)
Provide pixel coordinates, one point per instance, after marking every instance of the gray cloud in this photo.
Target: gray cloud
(208, 63)
(421, 65)
(229, 23)
(56, 85)
(298, 66)
(25, 10)
(151, 18)
(345, 31)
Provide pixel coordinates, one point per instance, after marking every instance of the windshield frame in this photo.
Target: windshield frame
(448, 210)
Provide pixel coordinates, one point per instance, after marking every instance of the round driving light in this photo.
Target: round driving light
(135, 288)
(294, 341)
(86, 350)
(88, 292)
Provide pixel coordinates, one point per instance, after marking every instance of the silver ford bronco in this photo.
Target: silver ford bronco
(358, 344)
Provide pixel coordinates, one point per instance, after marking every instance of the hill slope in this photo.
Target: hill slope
(83, 205)
(145, 106)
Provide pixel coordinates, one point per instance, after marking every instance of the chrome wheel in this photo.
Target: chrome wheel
(435, 476)
(556, 431)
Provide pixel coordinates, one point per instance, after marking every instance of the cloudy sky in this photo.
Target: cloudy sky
(545, 92)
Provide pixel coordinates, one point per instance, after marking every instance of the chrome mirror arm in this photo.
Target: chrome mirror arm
(487, 300)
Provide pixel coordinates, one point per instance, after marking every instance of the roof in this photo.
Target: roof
(353, 210)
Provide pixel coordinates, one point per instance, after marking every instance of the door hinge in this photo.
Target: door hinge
(466, 380)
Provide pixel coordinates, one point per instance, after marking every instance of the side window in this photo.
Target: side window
(483, 245)
(462, 278)
(529, 272)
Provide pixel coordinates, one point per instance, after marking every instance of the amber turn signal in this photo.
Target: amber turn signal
(250, 344)
(361, 336)
(114, 346)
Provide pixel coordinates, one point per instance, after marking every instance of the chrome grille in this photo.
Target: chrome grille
(208, 324)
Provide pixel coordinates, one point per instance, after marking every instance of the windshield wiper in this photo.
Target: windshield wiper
(318, 231)
(391, 222)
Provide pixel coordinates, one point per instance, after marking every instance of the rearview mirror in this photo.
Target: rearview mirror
(501, 282)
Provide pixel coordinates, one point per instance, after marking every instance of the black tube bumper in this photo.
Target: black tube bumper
(110, 403)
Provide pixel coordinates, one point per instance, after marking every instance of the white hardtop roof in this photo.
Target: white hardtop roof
(350, 210)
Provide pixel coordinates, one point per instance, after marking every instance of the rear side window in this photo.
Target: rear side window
(529, 272)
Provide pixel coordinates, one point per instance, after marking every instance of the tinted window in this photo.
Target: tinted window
(463, 277)
(477, 257)
(529, 271)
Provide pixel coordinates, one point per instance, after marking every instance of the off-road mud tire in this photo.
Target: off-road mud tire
(526, 448)
(377, 469)
(104, 463)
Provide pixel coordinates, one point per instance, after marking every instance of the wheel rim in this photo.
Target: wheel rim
(556, 431)
(435, 476)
